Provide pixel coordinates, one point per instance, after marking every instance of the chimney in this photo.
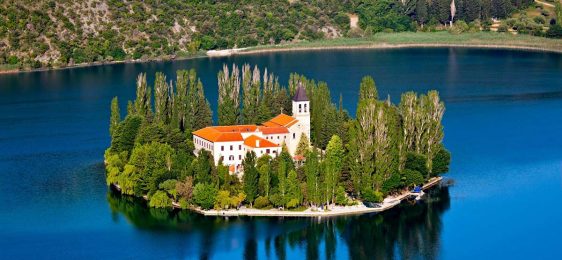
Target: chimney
(257, 143)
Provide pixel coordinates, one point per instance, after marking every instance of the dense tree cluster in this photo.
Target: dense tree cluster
(386, 148)
(48, 33)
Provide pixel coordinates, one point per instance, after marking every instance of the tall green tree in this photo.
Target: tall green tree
(408, 108)
(251, 86)
(115, 117)
(153, 164)
(368, 89)
(264, 168)
(162, 98)
(293, 188)
(229, 96)
(143, 105)
(421, 14)
(434, 108)
(251, 177)
(352, 159)
(334, 164)
(313, 182)
(192, 110)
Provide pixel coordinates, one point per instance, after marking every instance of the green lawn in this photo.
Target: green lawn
(430, 38)
(6, 67)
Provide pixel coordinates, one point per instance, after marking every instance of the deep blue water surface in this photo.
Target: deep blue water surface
(503, 125)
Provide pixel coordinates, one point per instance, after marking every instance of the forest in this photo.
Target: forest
(48, 33)
(384, 149)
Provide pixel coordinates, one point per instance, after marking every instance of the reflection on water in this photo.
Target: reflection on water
(410, 231)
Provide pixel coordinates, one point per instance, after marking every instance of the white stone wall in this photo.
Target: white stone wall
(276, 138)
(232, 152)
(272, 151)
(201, 143)
(301, 111)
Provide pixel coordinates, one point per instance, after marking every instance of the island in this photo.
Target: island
(260, 161)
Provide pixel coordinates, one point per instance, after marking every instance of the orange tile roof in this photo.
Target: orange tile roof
(298, 157)
(269, 130)
(281, 120)
(214, 135)
(236, 128)
(251, 141)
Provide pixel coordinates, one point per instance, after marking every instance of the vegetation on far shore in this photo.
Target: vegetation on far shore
(55, 34)
(385, 149)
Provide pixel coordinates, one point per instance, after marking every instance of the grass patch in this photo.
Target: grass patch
(429, 38)
(299, 209)
(7, 67)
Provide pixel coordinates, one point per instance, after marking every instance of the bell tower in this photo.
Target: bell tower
(301, 110)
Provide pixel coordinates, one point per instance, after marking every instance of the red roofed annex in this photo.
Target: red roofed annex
(231, 143)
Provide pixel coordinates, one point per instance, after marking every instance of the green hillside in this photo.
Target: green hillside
(43, 33)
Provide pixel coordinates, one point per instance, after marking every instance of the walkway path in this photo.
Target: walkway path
(388, 203)
(544, 3)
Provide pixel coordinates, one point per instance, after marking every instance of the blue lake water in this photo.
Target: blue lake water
(503, 126)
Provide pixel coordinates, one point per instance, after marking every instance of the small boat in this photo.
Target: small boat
(417, 189)
(419, 195)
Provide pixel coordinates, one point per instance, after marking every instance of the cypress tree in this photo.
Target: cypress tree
(115, 117)
(143, 105)
(229, 96)
(162, 98)
(334, 163)
(368, 89)
(312, 172)
(251, 86)
(251, 177)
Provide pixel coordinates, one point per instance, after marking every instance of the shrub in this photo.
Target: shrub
(441, 161)
(261, 202)
(555, 31)
(185, 188)
(502, 28)
(539, 19)
(125, 134)
(160, 199)
(184, 204)
(235, 201)
(223, 200)
(416, 162)
(204, 195)
(341, 198)
(372, 196)
(293, 203)
(411, 177)
(511, 22)
(391, 183)
(13, 60)
(169, 186)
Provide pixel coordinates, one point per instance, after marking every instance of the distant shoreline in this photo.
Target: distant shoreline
(479, 40)
(400, 46)
(388, 203)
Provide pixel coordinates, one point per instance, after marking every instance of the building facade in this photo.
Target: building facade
(230, 144)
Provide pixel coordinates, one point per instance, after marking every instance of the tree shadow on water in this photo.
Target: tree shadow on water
(410, 231)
